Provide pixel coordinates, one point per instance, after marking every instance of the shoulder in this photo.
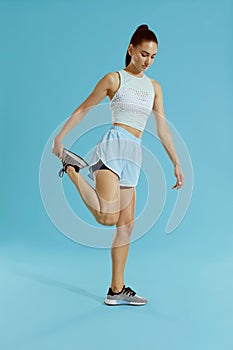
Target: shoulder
(112, 79)
(111, 76)
(157, 86)
(108, 81)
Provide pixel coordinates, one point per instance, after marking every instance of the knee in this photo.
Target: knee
(124, 231)
(126, 227)
(130, 226)
(107, 219)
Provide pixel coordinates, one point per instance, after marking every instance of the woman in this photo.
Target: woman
(116, 160)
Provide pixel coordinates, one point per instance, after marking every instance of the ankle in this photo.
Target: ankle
(70, 169)
(117, 288)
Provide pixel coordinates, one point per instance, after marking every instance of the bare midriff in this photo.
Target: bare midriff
(132, 130)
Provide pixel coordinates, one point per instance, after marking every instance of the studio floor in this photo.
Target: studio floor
(52, 293)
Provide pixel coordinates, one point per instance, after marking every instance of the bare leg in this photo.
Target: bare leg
(103, 201)
(120, 245)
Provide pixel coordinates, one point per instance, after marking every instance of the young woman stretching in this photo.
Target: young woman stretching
(116, 160)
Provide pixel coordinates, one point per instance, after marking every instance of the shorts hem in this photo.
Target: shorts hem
(123, 185)
(92, 172)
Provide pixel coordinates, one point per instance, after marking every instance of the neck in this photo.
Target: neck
(134, 71)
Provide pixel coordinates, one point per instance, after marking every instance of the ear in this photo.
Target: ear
(130, 48)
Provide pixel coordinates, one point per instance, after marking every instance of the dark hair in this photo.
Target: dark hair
(142, 33)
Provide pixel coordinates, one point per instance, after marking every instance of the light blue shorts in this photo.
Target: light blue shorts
(121, 152)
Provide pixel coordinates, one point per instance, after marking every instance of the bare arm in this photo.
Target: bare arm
(164, 133)
(97, 95)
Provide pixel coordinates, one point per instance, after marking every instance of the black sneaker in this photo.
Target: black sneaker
(70, 158)
(126, 297)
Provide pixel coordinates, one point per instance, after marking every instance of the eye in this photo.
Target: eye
(145, 55)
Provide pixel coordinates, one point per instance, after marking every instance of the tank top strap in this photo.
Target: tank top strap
(121, 77)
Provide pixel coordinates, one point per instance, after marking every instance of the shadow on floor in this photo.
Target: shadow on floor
(59, 284)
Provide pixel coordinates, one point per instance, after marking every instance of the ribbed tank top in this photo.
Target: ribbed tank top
(133, 101)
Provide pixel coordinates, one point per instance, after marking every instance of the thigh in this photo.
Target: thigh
(127, 206)
(108, 190)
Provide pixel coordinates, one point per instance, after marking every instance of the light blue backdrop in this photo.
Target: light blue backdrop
(52, 289)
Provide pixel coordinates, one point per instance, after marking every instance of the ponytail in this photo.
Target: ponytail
(142, 33)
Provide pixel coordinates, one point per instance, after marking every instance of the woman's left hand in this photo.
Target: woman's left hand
(179, 176)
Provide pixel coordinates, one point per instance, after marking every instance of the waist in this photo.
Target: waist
(137, 133)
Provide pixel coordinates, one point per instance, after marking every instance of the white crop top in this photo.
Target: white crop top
(133, 101)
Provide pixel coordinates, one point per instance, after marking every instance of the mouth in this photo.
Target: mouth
(144, 67)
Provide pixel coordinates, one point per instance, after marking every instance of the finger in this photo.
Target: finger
(180, 180)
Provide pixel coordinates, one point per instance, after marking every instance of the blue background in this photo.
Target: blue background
(52, 289)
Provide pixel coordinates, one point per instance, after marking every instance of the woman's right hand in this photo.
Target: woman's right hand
(57, 148)
(180, 177)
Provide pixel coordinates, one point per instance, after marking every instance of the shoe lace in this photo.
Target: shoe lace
(129, 291)
(61, 172)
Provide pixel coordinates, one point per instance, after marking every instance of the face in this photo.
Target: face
(142, 56)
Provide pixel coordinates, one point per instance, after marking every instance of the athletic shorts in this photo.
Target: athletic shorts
(119, 151)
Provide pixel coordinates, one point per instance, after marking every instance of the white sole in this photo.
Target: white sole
(121, 302)
(79, 160)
